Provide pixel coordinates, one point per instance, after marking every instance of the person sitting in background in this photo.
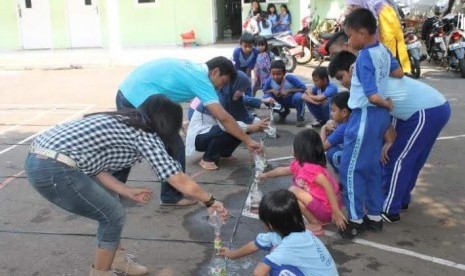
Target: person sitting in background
(284, 21)
(317, 99)
(245, 55)
(206, 135)
(287, 90)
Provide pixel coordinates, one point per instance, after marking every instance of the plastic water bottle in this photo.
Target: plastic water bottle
(218, 266)
(271, 129)
(255, 195)
(215, 221)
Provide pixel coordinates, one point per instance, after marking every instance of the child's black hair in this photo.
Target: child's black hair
(278, 64)
(247, 38)
(361, 19)
(321, 73)
(341, 62)
(341, 100)
(271, 5)
(308, 148)
(261, 40)
(337, 38)
(225, 66)
(280, 212)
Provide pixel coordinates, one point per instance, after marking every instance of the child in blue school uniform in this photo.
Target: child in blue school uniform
(360, 168)
(317, 99)
(245, 56)
(294, 250)
(287, 90)
(420, 112)
(332, 133)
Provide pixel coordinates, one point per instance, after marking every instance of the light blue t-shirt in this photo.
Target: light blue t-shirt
(298, 254)
(371, 71)
(409, 96)
(179, 80)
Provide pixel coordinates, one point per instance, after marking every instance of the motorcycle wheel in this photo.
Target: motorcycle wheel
(306, 58)
(416, 70)
(289, 60)
(462, 67)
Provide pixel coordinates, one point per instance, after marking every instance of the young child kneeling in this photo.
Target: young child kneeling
(318, 193)
(295, 251)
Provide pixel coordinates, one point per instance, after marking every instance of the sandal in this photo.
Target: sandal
(181, 203)
(209, 166)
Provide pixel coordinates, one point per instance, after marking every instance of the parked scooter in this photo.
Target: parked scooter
(302, 38)
(435, 39)
(285, 48)
(413, 45)
(456, 44)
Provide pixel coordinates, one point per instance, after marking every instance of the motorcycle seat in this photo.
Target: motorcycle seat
(326, 35)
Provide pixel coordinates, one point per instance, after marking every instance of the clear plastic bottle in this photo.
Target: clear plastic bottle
(218, 266)
(215, 221)
(255, 195)
(271, 129)
(259, 158)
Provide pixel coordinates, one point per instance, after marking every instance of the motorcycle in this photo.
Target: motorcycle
(413, 45)
(435, 41)
(284, 47)
(313, 43)
(456, 45)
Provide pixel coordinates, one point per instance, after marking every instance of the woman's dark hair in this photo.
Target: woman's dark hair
(308, 148)
(259, 11)
(361, 19)
(225, 66)
(261, 40)
(268, 8)
(341, 100)
(321, 73)
(280, 212)
(157, 114)
(341, 62)
(278, 64)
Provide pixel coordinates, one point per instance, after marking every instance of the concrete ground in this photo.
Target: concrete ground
(37, 238)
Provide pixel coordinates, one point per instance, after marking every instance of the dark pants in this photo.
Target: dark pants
(168, 194)
(216, 143)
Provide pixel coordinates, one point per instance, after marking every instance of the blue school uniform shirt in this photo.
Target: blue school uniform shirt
(241, 61)
(371, 71)
(329, 91)
(298, 254)
(179, 80)
(410, 96)
(337, 136)
(290, 82)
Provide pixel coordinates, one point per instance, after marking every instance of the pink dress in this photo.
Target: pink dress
(304, 177)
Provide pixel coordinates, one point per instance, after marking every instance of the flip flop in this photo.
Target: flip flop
(181, 203)
(209, 166)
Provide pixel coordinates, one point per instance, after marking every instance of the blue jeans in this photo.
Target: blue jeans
(79, 194)
(168, 194)
(320, 112)
(216, 143)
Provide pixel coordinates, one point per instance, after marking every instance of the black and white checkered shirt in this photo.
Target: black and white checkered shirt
(102, 143)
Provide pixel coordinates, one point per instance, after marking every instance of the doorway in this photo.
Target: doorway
(83, 23)
(35, 24)
(228, 20)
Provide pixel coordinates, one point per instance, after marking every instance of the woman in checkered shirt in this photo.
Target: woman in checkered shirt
(71, 165)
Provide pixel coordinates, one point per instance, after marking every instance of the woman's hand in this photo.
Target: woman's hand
(141, 195)
(339, 219)
(219, 208)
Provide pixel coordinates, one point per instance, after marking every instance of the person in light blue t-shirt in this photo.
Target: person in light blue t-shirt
(181, 80)
(295, 251)
(419, 114)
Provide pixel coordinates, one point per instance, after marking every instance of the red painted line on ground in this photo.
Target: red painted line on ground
(9, 179)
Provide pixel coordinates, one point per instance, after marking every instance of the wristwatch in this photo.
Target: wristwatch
(209, 202)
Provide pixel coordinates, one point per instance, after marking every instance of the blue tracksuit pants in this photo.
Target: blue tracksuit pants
(408, 154)
(360, 168)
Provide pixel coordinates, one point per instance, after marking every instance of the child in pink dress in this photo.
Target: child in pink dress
(317, 192)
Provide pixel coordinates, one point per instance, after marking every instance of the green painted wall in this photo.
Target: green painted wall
(9, 29)
(163, 22)
(327, 9)
(60, 37)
